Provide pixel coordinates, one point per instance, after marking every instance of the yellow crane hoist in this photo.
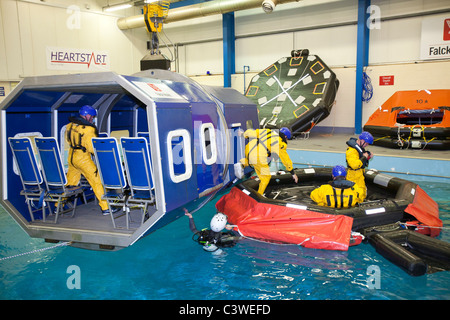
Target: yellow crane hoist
(154, 14)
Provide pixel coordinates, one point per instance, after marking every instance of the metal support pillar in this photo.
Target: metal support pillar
(362, 59)
(229, 53)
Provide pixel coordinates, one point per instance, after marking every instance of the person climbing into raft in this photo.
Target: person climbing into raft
(79, 133)
(214, 238)
(339, 193)
(357, 158)
(261, 145)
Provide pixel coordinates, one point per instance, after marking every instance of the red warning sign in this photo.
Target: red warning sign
(154, 87)
(386, 80)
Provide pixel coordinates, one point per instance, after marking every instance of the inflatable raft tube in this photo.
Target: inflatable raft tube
(416, 253)
(387, 197)
(287, 214)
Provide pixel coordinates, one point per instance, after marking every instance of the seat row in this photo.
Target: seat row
(136, 187)
(48, 183)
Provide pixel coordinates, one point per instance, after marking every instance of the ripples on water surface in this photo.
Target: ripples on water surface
(169, 265)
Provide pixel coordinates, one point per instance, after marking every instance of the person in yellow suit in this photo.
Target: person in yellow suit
(358, 158)
(262, 143)
(79, 133)
(339, 193)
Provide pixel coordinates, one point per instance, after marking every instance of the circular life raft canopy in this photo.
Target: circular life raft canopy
(296, 92)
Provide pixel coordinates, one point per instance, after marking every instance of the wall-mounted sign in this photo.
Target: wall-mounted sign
(386, 80)
(435, 38)
(77, 59)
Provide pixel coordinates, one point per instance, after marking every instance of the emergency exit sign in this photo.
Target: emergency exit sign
(386, 80)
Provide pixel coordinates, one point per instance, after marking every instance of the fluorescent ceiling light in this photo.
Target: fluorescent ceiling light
(118, 7)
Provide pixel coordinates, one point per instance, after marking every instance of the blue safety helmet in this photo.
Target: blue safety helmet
(85, 110)
(366, 136)
(339, 171)
(286, 132)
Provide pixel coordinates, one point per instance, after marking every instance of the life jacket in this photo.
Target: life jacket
(352, 144)
(75, 139)
(343, 194)
(267, 139)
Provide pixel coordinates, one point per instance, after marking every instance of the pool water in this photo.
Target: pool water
(169, 265)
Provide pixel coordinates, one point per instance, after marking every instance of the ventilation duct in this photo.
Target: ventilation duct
(202, 10)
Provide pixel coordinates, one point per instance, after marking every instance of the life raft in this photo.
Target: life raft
(412, 119)
(286, 214)
(296, 92)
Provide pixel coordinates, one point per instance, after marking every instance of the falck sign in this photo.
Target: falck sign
(435, 39)
(77, 59)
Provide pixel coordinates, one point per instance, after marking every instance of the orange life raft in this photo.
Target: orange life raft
(413, 119)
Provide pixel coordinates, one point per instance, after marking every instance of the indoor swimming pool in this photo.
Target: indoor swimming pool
(169, 265)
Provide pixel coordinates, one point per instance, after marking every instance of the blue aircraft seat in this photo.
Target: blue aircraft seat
(55, 178)
(139, 171)
(109, 165)
(30, 174)
(146, 135)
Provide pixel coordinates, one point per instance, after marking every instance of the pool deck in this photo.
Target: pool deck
(329, 149)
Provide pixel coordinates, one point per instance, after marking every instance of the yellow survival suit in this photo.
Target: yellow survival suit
(340, 193)
(262, 143)
(79, 135)
(356, 163)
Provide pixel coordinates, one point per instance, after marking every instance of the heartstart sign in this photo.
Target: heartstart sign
(77, 59)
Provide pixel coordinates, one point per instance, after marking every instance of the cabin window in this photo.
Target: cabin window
(208, 143)
(179, 151)
(238, 142)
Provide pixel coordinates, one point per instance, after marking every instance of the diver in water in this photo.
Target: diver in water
(357, 158)
(339, 193)
(213, 239)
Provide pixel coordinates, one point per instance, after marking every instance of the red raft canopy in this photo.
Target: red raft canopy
(412, 119)
(311, 226)
(425, 210)
(284, 224)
